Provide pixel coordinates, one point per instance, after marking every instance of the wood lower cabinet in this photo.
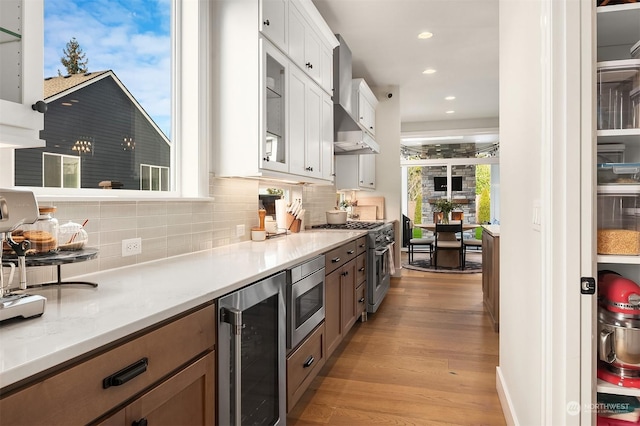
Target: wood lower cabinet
(303, 365)
(491, 275)
(361, 286)
(340, 292)
(169, 368)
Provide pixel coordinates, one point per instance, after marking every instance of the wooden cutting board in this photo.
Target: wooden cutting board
(366, 212)
(373, 201)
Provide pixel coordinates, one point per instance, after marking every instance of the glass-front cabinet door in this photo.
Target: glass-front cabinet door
(21, 73)
(274, 152)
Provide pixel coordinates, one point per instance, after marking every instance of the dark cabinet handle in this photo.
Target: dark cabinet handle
(309, 65)
(361, 245)
(40, 106)
(345, 273)
(266, 159)
(266, 22)
(126, 374)
(308, 362)
(361, 300)
(141, 422)
(309, 169)
(335, 260)
(351, 251)
(371, 127)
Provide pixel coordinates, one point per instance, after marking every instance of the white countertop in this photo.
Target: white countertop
(493, 229)
(80, 319)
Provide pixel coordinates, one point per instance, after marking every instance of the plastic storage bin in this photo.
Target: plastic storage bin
(619, 94)
(618, 219)
(619, 174)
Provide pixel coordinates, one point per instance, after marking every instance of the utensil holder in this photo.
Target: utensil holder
(293, 224)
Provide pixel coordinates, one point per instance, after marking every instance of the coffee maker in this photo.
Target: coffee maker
(17, 208)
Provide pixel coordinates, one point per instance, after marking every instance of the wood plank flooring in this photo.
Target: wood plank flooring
(427, 357)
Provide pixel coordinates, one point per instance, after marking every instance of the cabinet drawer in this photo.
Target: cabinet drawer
(77, 394)
(304, 364)
(361, 299)
(361, 269)
(339, 256)
(361, 245)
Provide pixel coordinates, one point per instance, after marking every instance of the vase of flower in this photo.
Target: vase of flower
(446, 206)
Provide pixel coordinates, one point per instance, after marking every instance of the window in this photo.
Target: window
(154, 178)
(60, 171)
(186, 102)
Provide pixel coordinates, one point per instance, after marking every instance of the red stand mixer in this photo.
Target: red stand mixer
(618, 330)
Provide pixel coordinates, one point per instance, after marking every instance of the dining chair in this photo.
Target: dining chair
(445, 239)
(414, 244)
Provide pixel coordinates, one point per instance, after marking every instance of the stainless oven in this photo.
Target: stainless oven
(305, 299)
(379, 265)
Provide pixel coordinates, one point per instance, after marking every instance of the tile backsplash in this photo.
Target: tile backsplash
(172, 227)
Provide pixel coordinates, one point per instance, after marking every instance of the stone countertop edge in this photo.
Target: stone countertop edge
(492, 229)
(78, 320)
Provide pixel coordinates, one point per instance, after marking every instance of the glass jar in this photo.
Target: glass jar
(72, 236)
(43, 234)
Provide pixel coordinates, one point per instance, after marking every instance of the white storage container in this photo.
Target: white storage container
(619, 219)
(619, 94)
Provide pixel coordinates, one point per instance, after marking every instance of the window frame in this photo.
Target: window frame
(62, 164)
(191, 22)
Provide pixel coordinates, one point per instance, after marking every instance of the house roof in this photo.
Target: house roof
(56, 85)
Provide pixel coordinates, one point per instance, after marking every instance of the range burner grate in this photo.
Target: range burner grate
(350, 225)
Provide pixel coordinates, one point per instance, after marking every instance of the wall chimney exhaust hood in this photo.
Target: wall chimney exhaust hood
(350, 136)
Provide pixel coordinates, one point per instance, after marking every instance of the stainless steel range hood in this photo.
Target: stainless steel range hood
(350, 137)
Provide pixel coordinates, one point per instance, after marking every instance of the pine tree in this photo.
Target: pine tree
(74, 58)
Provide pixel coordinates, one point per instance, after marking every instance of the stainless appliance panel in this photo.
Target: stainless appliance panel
(305, 306)
(251, 359)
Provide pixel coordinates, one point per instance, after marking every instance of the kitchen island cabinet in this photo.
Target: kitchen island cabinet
(491, 273)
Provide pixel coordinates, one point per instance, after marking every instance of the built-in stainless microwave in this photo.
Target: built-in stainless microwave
(305, 299)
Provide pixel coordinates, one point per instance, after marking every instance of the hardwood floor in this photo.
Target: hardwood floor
(427, 357)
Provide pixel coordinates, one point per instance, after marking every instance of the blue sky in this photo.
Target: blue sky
(130, 37)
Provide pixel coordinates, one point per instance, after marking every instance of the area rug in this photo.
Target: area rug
(472, 265)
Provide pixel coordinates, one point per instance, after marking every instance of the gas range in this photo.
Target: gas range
(353, 224)
(380, 233)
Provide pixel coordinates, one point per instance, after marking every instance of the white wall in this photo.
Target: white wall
(543, 83)
(388, 171)
(521, 136)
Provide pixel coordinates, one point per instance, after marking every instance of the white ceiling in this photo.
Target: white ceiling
(382, 36)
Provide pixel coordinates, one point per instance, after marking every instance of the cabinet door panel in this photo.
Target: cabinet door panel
(327, 138)
(313, 111)
(333, 328)
(272, 21)
(296, 36)
(297, 88)
(187, 398)
(348, 299)
(312, 58)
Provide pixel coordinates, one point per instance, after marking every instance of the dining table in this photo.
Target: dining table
(447, 258)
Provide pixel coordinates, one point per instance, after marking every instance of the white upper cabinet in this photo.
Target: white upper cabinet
(273, 21)
(307, 49)
(310, 121)
(270, 115)
(21, 73)
(366, 103)
(356, 172)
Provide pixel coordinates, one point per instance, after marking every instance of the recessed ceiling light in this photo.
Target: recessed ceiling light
(449, 98)
(425, 35)
(67, 104)
(429, 71)
(450, 111)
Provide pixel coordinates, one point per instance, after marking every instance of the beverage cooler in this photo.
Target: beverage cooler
(251, 354)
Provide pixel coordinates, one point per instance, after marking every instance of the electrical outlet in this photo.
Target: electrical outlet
(131, 246)
(239, 230)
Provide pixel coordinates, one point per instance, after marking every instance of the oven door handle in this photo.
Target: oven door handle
(381, 252)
